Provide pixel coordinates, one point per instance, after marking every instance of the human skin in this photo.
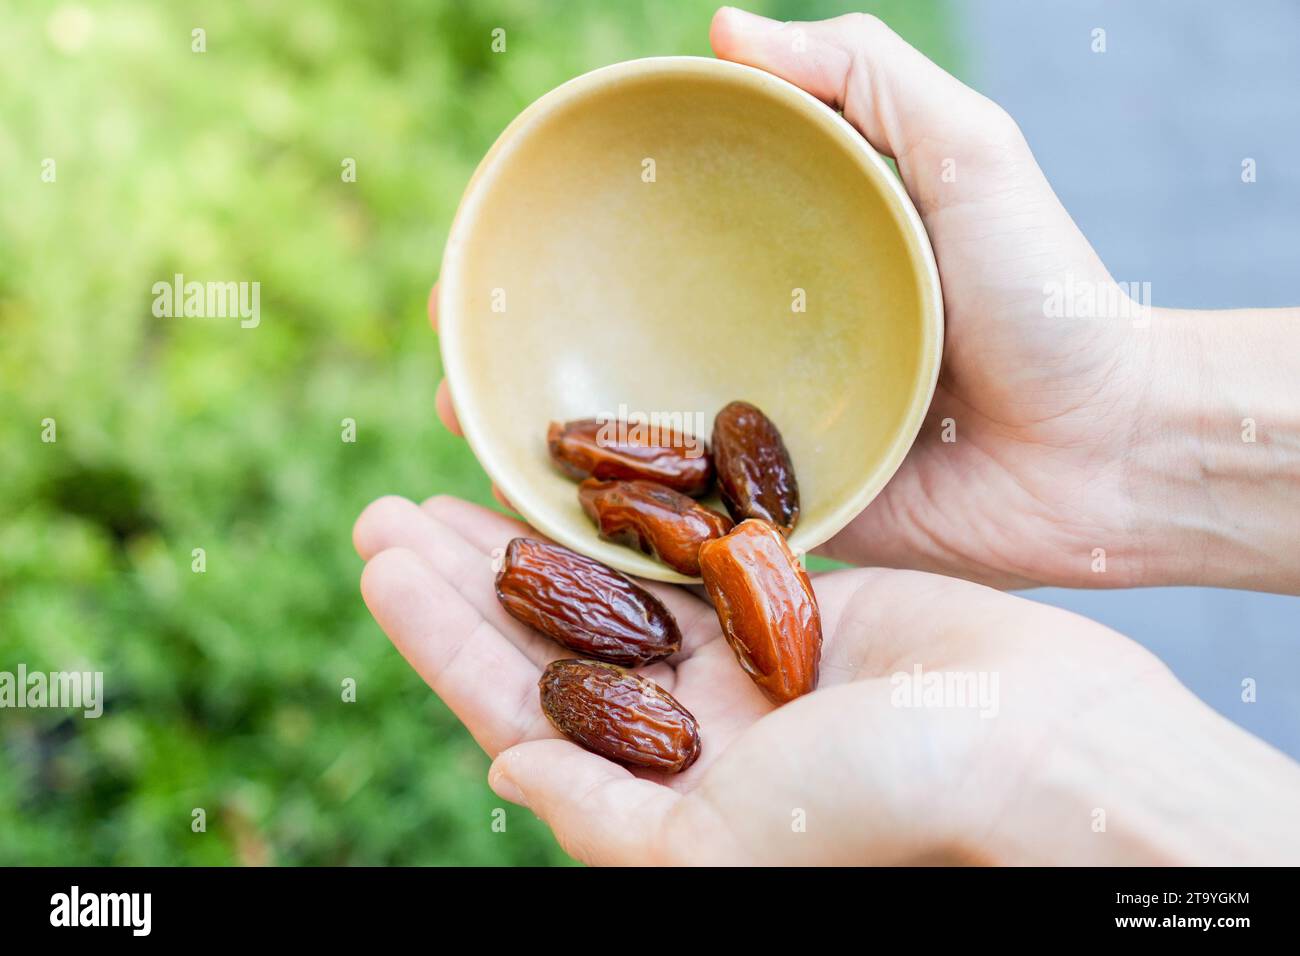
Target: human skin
(1088, 729)
(1072, 435)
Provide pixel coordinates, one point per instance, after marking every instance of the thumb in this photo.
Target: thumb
(599, 812)
(905, 105)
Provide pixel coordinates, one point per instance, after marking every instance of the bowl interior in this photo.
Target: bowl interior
(664, 236)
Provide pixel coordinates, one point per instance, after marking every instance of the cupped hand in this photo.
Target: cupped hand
(1073, 717)
(1041, 413)
(1027, 461)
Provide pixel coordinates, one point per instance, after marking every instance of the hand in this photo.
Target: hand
(1080, 720)
(1044, 410)
(1125, 433)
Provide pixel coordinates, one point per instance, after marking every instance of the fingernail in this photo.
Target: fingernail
(505, 788)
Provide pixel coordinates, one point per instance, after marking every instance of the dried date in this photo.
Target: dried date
(661, 522)
(619, 715)
(755, 475)
(584, 605)
(766, 607)
(616, 450)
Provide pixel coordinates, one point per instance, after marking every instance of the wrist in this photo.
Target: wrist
(1152, 776)
(1192, 789)
(1214, 479)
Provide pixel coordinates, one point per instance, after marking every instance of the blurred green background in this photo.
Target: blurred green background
(223, 688)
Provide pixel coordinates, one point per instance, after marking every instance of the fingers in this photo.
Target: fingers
(905, 105)
(889, 90)
(491, 532)
(486, 530)
(599, 812)
(446, 410)
(461, 541)
(501, 498)
(480, 675)
(394, 522)
(445, 407)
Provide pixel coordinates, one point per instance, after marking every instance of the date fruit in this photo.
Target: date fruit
(755, 475)
(661, 522)
(613, 450)
(619, 715)
(584, 605)
(766, 607)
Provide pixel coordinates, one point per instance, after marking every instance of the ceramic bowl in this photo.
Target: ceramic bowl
(659, 237)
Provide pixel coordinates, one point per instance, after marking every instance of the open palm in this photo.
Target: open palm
(841, 775)
(430, 584)
(1043, 411)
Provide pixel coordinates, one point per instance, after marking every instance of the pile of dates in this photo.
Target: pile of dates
(644, 496)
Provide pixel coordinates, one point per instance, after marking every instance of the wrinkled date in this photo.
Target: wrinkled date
(591, 448)
(619, 715)
(661, 522)
(755, 475)
(584, 605)
(767, 609)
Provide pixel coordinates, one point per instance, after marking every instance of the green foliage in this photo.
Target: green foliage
(224, 688)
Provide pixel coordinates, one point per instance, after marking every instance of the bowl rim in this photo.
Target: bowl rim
(873, 165)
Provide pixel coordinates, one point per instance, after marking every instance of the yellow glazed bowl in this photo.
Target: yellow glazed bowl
(662, 236)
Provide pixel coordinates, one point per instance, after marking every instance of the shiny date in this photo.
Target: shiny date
(619, 715)
(584, 605)
(661, 522)
(766, 607)
(614, 450)
(755, 475)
